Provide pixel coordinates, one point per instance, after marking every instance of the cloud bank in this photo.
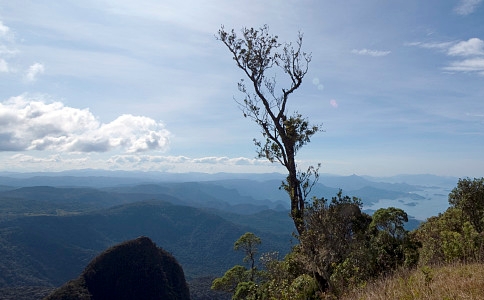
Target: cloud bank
(136, 161)
(133, 160)
(30, 124)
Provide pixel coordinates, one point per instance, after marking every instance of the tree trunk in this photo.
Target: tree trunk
(294, 191)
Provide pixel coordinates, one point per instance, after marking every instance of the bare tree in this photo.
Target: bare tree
(260, 56)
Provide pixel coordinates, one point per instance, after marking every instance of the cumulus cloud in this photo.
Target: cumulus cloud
(27, 124)
(471, 47)
(34, 71)
(369, 52)
(466, 7)
(473, 50)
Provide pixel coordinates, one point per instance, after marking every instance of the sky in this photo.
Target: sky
(398, 86)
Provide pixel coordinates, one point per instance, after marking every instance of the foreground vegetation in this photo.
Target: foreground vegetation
(454, 281)
(342, 250)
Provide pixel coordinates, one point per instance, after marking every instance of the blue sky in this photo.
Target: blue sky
(144, 85)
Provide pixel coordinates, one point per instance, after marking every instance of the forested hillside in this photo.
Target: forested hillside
(48, 234)
(49, 250)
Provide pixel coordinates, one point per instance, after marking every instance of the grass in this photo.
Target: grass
(460, 281)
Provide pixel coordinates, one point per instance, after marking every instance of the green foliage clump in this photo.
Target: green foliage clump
(469, 197)
(239, 280)
(335, 231)
(231, 279)
(344, 247)
(457, 234)
(340, 248)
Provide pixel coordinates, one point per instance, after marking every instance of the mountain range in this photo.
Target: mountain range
(52, 225)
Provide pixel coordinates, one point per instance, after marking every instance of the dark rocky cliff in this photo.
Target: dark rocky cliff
(136, 269)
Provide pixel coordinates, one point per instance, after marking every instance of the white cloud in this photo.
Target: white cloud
(433, 45)
(227, 160)
(33, 71)
(468, 65)
(473, 46)
(145, 162)
(55, 162)
(473, 49)
(3, 66)
(56, 158)
(369, 52)
(208, 164)
(466, 7)
(27, 124)
(135, 133)
(4, 50)
(135, 159)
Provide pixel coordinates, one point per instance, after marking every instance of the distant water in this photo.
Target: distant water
(435, 202)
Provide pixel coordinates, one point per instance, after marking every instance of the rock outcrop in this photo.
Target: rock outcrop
(136, 269)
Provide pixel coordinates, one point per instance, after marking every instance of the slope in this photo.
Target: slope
(49, 250)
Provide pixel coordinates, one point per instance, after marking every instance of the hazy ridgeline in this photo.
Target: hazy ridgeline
(52, 226)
